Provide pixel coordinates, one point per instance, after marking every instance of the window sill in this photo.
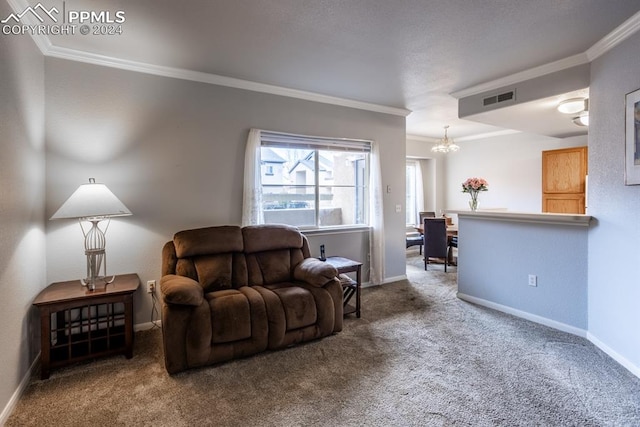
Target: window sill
(335, 230)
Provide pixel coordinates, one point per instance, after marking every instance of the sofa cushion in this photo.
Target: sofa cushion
(298, 303)
(185, 267)
(208, 241)
(215, 271)
(230, 316)
(180, 290)
(314, 272)
(275, 266)
(268, 237)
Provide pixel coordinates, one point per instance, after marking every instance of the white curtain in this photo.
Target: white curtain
(419, 191)
(376, 237)
(252, 196)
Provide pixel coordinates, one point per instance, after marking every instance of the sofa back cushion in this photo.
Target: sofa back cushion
(208, 241)
(272, 251)
(212, 256)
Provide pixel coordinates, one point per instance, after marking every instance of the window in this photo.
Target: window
(411, 199)
(415, 192)
(314, 182)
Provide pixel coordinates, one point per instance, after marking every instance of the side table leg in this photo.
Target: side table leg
(45, 343)
(358, 286)
(128, 326)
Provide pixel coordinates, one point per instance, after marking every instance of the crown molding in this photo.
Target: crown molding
(622, 32)
(625, 30)
(197, 76)
(42, 41)
(529, 74)
(48, 49)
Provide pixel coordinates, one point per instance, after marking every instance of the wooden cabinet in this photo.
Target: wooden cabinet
(564, 174)
(78, 324)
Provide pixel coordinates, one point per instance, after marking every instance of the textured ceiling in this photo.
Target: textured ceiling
(401, 53)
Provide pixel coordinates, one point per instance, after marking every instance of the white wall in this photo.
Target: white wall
(173, 152)
(512, 164)
(614, 277)
(22, 240)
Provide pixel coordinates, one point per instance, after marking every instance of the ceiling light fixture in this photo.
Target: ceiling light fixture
(572, 105)
(445, 145)
(582, 119)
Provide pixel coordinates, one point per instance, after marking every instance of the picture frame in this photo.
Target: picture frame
(632, 139)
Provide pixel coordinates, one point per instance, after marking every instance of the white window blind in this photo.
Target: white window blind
(286, 140)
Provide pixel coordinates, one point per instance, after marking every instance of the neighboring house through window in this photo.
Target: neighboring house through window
(272, 166)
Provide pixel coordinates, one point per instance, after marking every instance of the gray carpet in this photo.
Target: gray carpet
(417, 357)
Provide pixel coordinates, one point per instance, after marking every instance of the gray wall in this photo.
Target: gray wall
(22, 239)
(355, 242)
(614, 277)
(173, 152)
(496, 258)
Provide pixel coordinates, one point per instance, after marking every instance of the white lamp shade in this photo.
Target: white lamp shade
(91, 201)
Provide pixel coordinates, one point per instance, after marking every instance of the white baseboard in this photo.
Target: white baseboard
(146, 326)
(385, 281)
(523, 314)
(8, 410)
(635, 370)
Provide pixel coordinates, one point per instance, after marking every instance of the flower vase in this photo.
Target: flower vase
(473, 203)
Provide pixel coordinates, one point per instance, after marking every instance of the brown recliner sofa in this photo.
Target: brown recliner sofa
(230, 292)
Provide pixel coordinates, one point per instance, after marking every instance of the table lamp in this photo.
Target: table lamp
(94, 203)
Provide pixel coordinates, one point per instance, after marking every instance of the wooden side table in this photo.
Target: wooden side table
(349, 287)
(78, 324)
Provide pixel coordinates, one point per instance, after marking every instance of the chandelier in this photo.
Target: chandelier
(445, 145)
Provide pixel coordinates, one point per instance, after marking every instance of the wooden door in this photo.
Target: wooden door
(564, 174)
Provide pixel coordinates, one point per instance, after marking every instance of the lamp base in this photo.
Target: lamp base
(96, 258)
(90, 283)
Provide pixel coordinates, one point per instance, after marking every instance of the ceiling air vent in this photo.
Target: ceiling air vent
(507, 96)
(502, 97)
(490, 100)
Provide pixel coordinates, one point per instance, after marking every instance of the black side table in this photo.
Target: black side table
(349, 286)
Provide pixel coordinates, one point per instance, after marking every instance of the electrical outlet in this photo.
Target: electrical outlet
(533, 280)
(151, 286)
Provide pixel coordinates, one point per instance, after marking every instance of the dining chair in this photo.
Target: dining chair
(435, 240)
(414, 239)
(453, 243)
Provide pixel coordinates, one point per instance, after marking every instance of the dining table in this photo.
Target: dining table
(452, 230)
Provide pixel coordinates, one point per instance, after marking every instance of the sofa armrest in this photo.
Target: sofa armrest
(181, 290)
(315, 272)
